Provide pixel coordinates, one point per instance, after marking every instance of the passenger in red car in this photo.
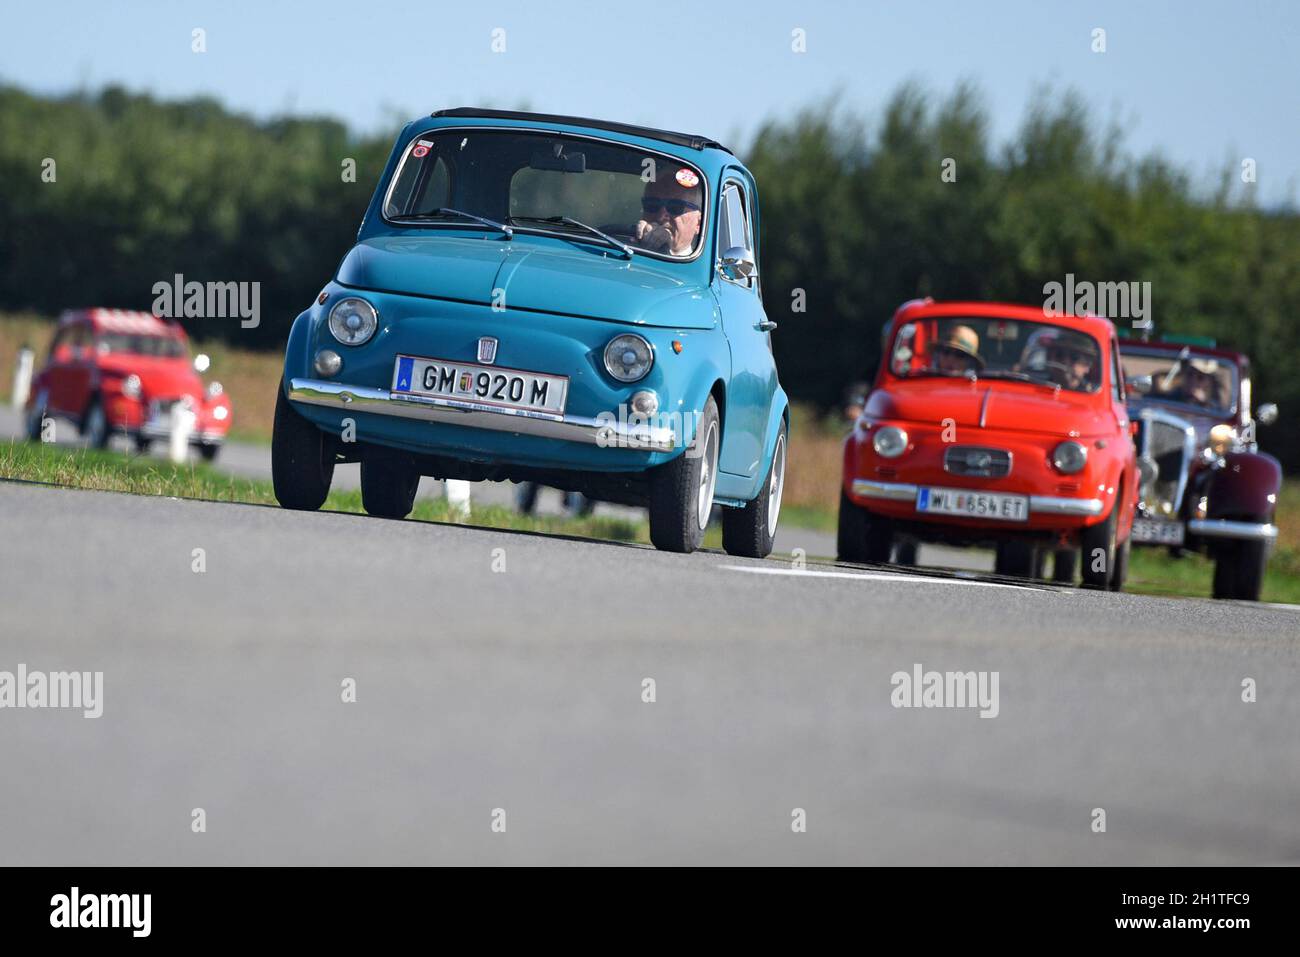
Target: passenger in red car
(1069, 360)
(958, 352)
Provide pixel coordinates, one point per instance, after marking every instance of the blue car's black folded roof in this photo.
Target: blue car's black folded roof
(667, 136)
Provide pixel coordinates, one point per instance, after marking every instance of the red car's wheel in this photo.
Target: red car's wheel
(94, 424)
(1099, 551)
(862, 537)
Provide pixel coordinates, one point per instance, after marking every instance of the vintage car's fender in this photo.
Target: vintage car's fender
(1245, 488)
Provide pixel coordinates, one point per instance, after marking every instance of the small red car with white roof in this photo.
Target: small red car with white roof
(114, 371)
(1000, 426)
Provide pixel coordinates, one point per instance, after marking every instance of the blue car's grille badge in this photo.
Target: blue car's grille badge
(487, 350)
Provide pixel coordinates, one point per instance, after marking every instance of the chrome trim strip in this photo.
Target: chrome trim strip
(164, 432)
(896, 491)
(571, 428)
(1038, 504)
(1052, 505)
(1223, 528)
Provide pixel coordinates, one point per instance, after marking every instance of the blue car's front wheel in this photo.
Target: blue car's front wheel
(751, 531)
(681, 491)
(302, 460)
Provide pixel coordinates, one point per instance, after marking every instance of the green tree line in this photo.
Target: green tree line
(860, 212)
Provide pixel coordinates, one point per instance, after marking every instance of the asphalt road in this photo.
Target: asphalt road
(250, 460)
(521, 690)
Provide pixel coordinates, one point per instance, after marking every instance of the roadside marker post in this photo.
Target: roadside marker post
(22, 377)
(458, 494)
(182, 426)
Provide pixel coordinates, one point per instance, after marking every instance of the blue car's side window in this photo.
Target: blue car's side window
(733, 227)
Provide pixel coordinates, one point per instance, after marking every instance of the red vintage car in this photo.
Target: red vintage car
(111, 371)
(998, 426)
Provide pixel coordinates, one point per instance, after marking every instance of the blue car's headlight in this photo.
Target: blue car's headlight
(353, 321)
(628, 357)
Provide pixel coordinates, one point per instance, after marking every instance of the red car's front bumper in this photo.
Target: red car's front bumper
(1059, 505)
(137, 417)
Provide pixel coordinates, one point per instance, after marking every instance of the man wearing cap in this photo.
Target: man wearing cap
(1074, 359)
(671, 211)
(957, 352)
(1199, 385)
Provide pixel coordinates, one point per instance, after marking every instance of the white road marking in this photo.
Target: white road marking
(872, 576)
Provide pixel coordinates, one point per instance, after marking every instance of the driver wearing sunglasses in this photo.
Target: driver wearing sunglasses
(670, 215)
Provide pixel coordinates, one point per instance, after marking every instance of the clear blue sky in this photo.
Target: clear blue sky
(1202, 82)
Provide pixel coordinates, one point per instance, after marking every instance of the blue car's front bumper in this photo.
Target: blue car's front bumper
(602, 433)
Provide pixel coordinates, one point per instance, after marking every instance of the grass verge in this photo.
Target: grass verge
(114, 472)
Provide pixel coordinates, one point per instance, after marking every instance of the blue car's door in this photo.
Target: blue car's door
(753, 370)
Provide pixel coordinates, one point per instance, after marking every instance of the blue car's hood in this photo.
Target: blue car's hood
(578, 281)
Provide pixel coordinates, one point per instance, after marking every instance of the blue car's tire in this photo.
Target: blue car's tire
(681, 491)
(750, 531)
(388, 486)
(302, 459)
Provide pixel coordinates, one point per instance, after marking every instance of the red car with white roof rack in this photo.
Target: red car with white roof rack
(116, 371)
(999, 426)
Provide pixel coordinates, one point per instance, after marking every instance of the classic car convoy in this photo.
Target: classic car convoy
(1205, 484)
(577, 303)
(995, 425)
(113, 371)
(551, 299)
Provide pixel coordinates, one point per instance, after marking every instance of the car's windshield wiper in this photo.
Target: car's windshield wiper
(1008, 374)
(444, 212)
(622, 247)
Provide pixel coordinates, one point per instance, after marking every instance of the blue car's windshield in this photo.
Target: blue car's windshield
(551, 183)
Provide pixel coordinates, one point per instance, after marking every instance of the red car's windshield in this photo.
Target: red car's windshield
(163, 347)
(984, 347)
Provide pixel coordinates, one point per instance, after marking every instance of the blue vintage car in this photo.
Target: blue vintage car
(552, 299)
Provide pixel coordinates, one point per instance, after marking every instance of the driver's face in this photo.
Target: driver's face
(667, 204)
(1078, 365)
(1199, 386)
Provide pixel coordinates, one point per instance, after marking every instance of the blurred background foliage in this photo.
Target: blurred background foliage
(855, 213)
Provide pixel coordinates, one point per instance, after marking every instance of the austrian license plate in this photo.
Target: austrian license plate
(957, 501)
(1158, 532)
(465, 385)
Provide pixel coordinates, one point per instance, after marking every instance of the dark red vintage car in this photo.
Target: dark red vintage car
(1205, 484)
(995, 425)
(112, 371)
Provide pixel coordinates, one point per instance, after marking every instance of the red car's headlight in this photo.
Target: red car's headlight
(889, 442)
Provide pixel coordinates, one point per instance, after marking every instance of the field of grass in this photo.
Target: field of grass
(137, 475)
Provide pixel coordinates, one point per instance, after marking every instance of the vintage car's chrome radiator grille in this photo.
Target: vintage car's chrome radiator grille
(977, 461)
(1168, 443)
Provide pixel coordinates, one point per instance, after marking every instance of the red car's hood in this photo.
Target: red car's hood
(1018, 406)
(159, 377)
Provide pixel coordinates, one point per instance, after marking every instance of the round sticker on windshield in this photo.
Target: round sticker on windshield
(420, 152)
(687, 179)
